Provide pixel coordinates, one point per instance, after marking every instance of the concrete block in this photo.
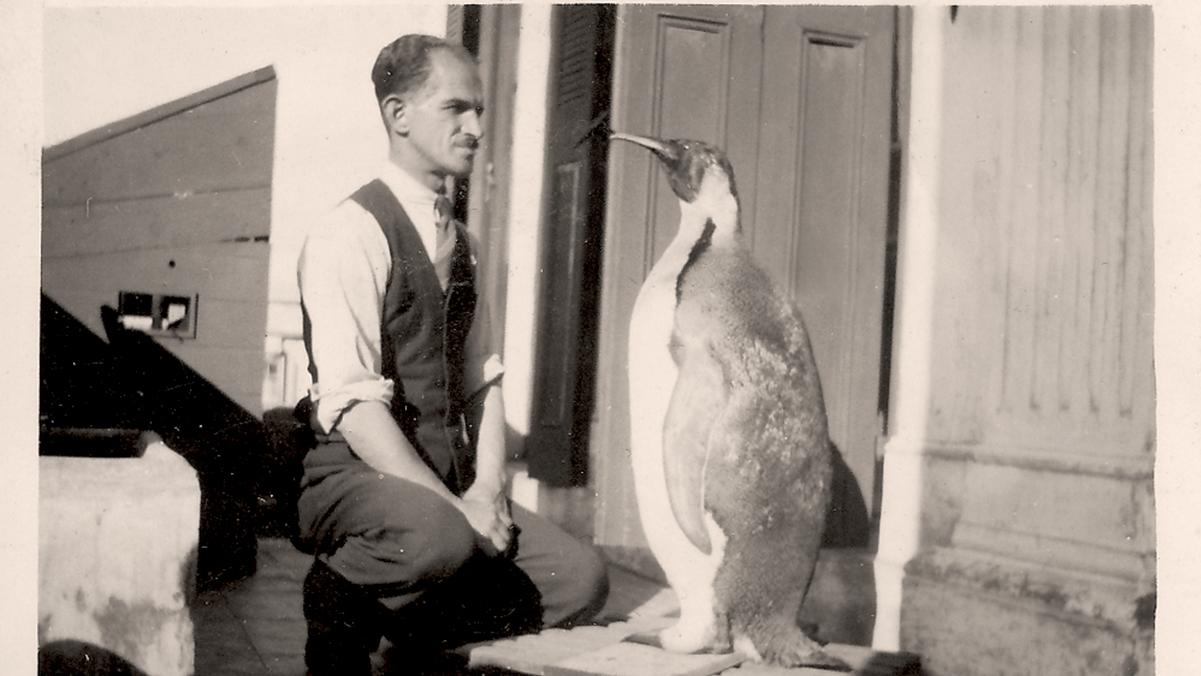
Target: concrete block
(116, 558)
(976, 613)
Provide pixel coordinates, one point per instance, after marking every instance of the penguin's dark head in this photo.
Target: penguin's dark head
(688, 164)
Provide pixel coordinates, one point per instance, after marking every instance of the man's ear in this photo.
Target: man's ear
(393, 108)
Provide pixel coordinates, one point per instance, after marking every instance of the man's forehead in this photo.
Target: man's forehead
(455, 76)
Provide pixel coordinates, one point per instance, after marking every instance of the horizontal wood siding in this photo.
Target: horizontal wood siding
(156, 222)
(220, 145)
(180, 204)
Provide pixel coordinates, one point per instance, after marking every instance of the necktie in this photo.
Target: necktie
(442, 212)
(444, 231)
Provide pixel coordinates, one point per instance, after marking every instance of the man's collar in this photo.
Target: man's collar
(404, 184)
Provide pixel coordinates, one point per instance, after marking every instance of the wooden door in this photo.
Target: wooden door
(821, 227)
(800, 98)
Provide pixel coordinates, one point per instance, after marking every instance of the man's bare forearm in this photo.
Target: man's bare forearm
(490, 449)
(375, 437)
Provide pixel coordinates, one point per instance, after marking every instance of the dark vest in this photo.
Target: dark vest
(423, 332)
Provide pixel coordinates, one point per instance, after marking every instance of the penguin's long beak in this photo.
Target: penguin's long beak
(653, 144)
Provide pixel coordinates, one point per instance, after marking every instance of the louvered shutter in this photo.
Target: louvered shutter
(557, 448)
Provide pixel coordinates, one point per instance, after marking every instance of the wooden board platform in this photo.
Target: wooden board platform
(255, 627)
(636, 659)
(617, 646)
(617, 649)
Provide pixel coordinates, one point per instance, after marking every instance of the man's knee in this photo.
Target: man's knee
(399, 533)
(440, 537)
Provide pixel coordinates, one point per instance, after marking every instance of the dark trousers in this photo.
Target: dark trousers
(417, 556)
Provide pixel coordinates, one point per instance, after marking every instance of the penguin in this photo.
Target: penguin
(731, 456)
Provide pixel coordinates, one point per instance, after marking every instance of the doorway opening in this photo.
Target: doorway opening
(577, 395)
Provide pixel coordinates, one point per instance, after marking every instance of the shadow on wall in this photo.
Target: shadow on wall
(848, 523)
(132, 382)
(841, 603)
(80, 657)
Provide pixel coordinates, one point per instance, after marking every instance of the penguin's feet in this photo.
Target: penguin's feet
(798, 650)
(820, 659)
(689, 635)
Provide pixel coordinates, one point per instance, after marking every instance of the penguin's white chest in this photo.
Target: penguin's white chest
(653, 377)
(652, 372)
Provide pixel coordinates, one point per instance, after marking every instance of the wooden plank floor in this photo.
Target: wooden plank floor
(255, 627)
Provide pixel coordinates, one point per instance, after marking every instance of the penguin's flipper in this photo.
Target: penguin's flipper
(697, 403)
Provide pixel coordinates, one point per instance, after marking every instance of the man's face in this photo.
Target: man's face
(443, 116)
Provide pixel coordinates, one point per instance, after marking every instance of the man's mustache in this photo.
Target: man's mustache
(471, 142)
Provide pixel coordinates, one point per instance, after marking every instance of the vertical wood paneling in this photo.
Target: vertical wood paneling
(1135, 331)
(1112, 165)
(1081, 224)
(821, 268)
(1053, 106)
(773, 236)
(1020, 195)
(1008, 161)
(1052, 214)
(970, 207)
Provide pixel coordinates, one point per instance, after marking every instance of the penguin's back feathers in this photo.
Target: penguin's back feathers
(745, 437)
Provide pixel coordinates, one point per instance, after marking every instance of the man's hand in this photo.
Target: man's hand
(487, 510)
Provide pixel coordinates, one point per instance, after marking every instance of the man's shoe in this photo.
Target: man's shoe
(343, 624)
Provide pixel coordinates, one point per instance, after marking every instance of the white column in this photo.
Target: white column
(525, 214)
(900, 518)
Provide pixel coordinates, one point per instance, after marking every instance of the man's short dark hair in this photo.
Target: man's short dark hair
(404, 65)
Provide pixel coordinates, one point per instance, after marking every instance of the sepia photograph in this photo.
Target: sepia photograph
(608, 339)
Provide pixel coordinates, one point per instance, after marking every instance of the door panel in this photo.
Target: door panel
(657, 51)
(823, 176)
(692, 69)
(800, 98)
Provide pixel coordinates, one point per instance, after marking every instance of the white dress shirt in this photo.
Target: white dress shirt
(343, 273)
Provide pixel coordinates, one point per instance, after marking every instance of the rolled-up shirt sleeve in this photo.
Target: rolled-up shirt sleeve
(343, 273)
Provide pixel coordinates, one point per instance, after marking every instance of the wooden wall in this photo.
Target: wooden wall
(174, 200)
(1037, 550)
